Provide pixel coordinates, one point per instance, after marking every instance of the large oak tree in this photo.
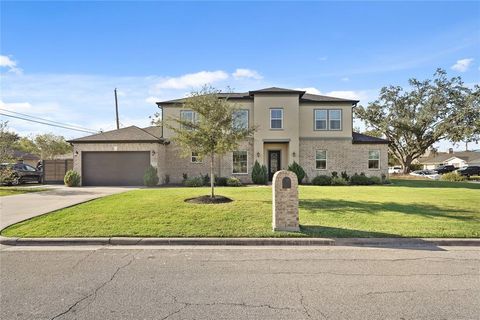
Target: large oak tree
(431, 110)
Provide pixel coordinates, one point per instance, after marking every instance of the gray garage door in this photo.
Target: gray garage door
(114, 168)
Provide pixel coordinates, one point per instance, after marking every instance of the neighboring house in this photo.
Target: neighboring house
(313, 130)
(458, 159)
(25, 157)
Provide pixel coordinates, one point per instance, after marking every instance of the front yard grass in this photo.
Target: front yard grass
(405, 209)
(8, 191)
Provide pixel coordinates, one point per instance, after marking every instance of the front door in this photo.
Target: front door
(273, 163)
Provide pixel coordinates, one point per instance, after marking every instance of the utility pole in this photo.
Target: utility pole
(116, 109)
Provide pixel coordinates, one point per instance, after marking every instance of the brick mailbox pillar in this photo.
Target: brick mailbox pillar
(285, 201)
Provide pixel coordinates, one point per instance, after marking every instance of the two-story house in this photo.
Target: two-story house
(292, 125)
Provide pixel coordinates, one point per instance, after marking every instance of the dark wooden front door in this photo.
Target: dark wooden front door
(274, 162)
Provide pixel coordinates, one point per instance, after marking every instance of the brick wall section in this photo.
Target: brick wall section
(285, 202)
(342, 155)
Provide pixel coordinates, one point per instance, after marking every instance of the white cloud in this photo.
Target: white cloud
(246, 73)
(324, 58)
(16, 106)
(311, 90)
(152, 100)
(462, 65)
(10, 64)
(345, 79)
(354, 95)
(192, 80)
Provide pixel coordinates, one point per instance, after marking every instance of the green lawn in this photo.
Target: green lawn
(405, 209)
(8, 191)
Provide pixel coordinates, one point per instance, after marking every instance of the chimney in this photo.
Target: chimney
(450, 150)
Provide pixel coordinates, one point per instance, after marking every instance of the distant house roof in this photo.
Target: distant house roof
(441, 157)
(17, 154)
(359, 138)
(64, 156)
(128, 134)
(304, 97)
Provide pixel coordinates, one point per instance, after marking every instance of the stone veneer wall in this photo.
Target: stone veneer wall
(156, 160)
(342, 155)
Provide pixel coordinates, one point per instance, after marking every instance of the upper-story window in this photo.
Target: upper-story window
(276, 118)
(327, 119)
(335, 119)
(240, 119)
(188, 115)
(320, 119)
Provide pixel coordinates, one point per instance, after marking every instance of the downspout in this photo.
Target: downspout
(161, 114)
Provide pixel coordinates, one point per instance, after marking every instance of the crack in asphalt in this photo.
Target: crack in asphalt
(302, 302)
(412, 291)
(94, 293)
(84, 258)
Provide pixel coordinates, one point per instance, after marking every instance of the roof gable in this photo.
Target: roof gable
(128, 134)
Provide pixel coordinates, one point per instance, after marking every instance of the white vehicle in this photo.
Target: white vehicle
(395, 169)
(430, 174)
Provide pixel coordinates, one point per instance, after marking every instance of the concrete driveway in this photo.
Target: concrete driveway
(20, 207)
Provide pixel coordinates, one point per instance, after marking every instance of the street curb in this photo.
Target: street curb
(372, 242)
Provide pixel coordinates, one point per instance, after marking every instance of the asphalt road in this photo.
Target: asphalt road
(240, 283)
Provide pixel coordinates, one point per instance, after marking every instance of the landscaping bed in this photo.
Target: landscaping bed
(406, 208)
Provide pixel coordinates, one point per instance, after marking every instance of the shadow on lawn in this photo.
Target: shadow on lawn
(434, 184)
(423, 210)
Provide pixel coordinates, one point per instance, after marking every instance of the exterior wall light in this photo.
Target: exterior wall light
(293, 154)
(153, 153)
(258, 154)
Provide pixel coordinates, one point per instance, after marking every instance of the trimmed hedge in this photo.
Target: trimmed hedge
(337, 181)
(71, 179)
(322, 180)
(453, 176)
(234, 182)
(150, 178)
(193, 182)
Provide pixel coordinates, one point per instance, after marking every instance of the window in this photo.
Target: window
(188, 115)
(321, 159)
(240, 162)
(335, 119)
(240, 119)
(374, 159)
(276, 118)
(320, 119)
(196, 158)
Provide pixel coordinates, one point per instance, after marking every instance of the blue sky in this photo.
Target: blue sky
(62, 60)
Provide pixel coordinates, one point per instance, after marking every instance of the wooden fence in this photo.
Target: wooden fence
(54, 170)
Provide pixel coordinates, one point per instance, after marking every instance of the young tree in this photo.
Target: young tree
(432, 110)
(7, 140)
(51, 145)
(215, 129)
(27, 144)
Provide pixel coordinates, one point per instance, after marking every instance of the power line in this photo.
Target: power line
(43, 119)
(46, 123)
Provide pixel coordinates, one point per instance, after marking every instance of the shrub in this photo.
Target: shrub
(71, 179)
(322, 180)
(184, 176)
(334, 174)
(345, 176)
(452, 176)
(150, 178)
(375, 180)
(193, 182)
(7, 176)
(221, 181)
(167, 179)
(259, 173)
(360, 180)
(337, 181)
(206, 179)
(298, 170)
(233, 182)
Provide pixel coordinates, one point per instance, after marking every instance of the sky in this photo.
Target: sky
(62, 60)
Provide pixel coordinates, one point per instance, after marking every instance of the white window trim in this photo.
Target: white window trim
(194, 115)
(326, 159)
(282, 118)
(341, 119)
(248, 116)
(240, 173)
(379, 156)
(315, 120)
(191, 158)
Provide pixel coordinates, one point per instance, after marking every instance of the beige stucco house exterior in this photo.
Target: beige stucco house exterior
(292, 125)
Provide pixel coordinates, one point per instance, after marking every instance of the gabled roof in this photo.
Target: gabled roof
(359, 138)
(128, 134)
(441, 157)
(17, 154)
(304, 97)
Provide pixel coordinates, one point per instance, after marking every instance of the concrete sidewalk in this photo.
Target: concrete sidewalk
(20, 207)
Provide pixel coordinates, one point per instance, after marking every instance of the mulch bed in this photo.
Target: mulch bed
(209, 200)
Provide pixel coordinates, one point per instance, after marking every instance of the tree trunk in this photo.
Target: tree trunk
(406, 164)
(212, 176)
